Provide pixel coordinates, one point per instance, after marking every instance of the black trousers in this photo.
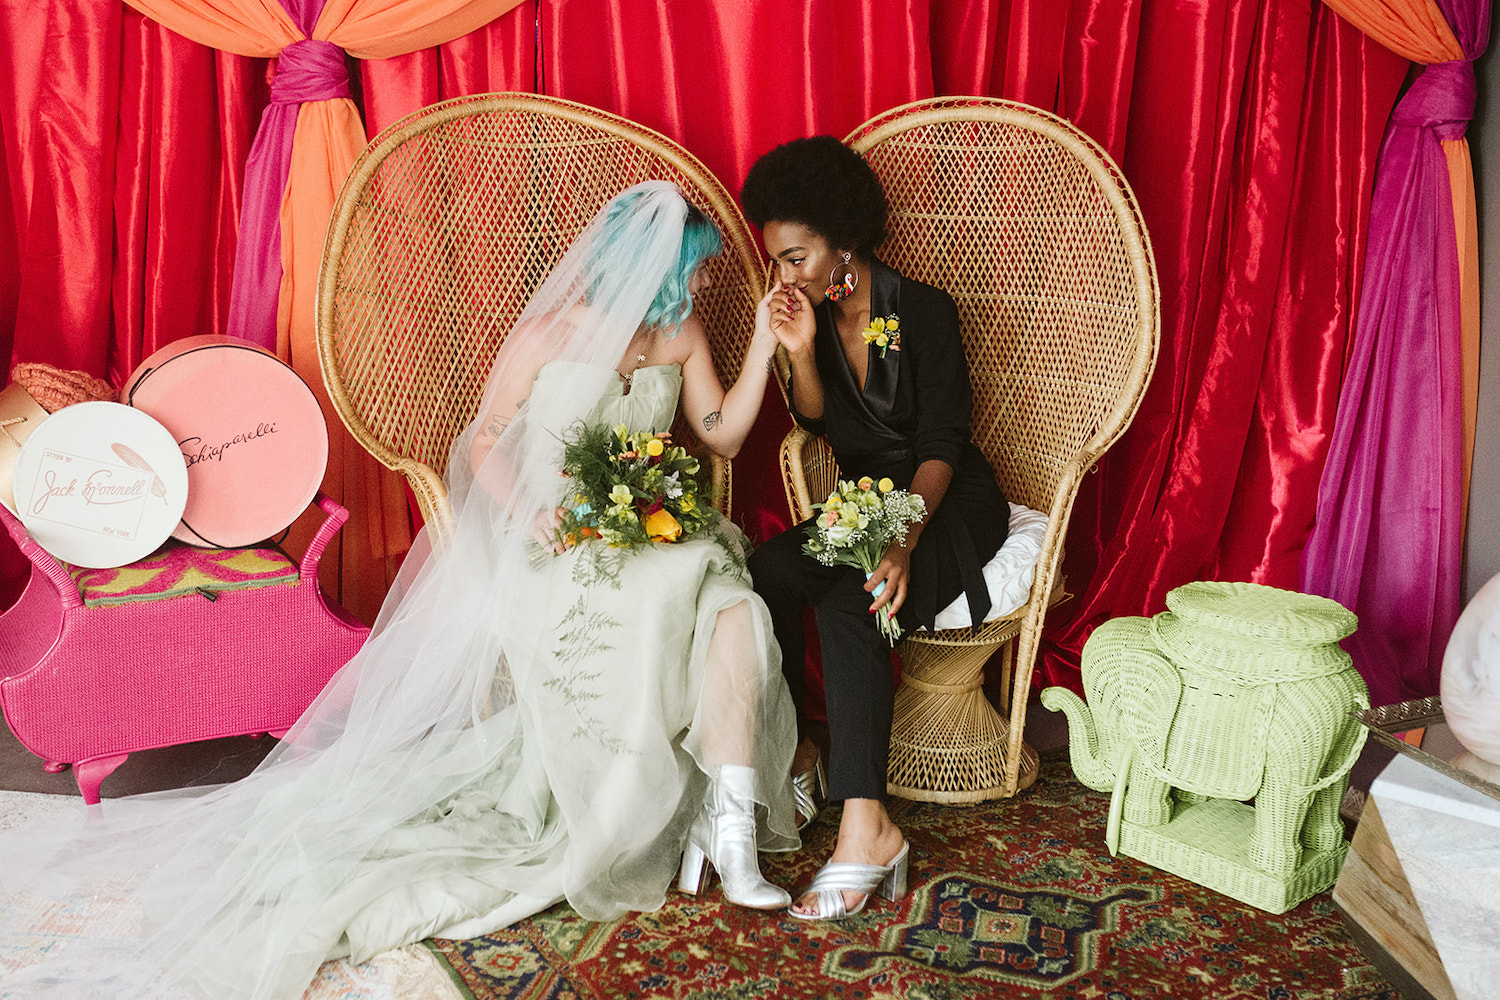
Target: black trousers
(857, 681)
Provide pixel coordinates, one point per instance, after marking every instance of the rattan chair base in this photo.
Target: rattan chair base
(1209, 843)
(947, 741)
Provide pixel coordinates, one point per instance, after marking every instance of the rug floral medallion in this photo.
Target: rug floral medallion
(1017, 898)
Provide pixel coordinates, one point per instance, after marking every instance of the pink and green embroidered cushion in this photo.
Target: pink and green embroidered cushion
(176, 569)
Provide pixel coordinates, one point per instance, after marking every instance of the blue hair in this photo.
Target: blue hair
(673, 302)
(700, 241)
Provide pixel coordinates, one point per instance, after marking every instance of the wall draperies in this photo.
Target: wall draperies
(309, 136)
(1249, 132)
(1388, 542)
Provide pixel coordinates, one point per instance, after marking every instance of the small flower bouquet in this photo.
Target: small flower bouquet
(629, 488)
(855, 525)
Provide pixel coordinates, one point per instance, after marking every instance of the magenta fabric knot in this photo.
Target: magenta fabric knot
(310, 70)
(1441, 98)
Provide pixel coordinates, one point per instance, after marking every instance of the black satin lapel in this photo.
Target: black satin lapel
(881, 375)
(827, 342)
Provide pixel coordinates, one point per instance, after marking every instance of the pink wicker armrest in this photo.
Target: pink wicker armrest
(44, 561)
(336, 516)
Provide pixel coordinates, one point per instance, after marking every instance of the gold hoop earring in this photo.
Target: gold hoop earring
(840, 290)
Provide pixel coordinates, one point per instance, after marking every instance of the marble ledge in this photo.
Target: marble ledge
(1447, 838)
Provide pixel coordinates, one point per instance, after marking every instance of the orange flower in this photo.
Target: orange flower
(662, 526)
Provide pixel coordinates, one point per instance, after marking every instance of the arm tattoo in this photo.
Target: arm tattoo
(712, 420)
(496, 425)
(771, 365)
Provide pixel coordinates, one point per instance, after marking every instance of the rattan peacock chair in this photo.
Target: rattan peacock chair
(447, 224)
(1035, 233)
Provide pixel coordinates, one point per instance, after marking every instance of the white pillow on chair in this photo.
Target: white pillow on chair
(1009, 574)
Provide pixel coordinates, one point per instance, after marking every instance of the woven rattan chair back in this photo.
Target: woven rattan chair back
(447, 224)
(1033, 230)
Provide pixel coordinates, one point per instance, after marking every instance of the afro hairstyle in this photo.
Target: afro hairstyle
(822, 184)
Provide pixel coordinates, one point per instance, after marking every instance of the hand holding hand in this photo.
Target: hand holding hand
(789, 317)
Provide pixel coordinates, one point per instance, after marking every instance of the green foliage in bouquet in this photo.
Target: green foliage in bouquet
(629, 488)
(856, 524)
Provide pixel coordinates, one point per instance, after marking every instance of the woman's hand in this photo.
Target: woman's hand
(789, 317)
(544, 530)
(894, 571)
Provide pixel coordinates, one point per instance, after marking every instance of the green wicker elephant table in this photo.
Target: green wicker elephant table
(1238, 692)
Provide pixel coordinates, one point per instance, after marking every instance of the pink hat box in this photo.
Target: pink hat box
(250, 432)
(99, 484)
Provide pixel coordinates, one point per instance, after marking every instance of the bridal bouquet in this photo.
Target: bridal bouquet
(628, 488)
(856, 524)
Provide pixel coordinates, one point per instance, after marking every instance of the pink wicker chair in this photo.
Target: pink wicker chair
(88, 680)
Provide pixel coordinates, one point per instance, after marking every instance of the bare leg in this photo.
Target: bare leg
(866, 836)
(730, 702)
(728, 720)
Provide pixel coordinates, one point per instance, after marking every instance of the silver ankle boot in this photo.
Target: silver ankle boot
(724, 835)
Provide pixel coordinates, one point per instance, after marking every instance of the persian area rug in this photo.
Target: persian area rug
(1018, 898)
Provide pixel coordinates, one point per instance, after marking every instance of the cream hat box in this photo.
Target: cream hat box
(251, 435)
(99, 484)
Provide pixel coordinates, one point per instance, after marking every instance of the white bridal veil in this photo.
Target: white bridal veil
(227, 890)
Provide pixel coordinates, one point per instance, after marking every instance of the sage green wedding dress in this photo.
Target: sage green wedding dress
(636, 674)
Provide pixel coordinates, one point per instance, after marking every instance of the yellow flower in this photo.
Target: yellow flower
(865, 482)
(620, 494)
(885, 485)
(661, 526)
(869, 335)
(881, 340)
(878, 324)
(834, 500)
(892, 325)
(654, 447)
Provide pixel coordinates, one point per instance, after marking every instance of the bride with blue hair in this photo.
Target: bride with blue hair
(583, 726)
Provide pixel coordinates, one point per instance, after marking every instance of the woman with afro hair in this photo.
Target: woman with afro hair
(899, 411)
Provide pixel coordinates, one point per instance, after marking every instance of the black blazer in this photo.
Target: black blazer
(915, 406)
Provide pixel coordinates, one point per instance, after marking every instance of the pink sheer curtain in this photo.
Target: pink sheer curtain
(1388, 542)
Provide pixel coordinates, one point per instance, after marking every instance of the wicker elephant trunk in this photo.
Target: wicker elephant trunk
(1238, 692)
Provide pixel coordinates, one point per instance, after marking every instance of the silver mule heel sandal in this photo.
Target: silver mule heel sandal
(724, 836)
(833, 879)
(809, 788)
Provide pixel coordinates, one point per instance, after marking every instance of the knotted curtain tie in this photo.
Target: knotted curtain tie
(310, 70)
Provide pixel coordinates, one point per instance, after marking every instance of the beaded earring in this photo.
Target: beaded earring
(840, 290)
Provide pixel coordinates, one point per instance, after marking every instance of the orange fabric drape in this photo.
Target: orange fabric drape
(329, 138)
(1466, 229)
(1417, 30)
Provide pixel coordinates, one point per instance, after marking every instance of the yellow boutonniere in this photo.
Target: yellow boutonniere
(884, 332)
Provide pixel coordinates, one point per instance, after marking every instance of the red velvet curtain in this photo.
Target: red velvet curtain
(1248, 131)
(1253, 160)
